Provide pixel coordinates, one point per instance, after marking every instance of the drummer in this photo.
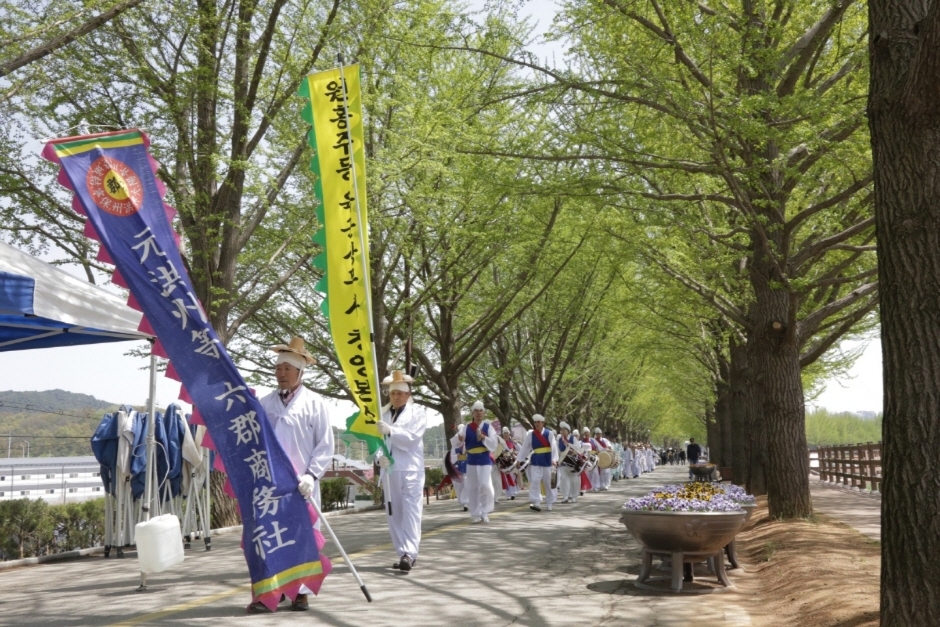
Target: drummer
(618, 454)
(588, 445)
(602, 444)
(542, 444)
(569, 481)
(481, 439)
(509, 481)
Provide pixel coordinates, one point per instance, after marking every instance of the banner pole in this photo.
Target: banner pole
(149, 477)
(367, 281)
(322, 518)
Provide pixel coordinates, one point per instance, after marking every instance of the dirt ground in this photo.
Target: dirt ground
(818, 573)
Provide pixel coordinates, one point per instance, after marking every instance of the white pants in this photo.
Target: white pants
(605, 476)
(595, 478)
(543, 475)
(569, 483)
(497, 480)
(405, 488)
(479, 490)
(511, 490)
(460, 489)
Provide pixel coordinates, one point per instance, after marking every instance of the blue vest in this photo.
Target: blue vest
(563, 444)
(541, 455)
(477, 454)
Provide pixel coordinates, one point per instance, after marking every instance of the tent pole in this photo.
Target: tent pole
(151, 443)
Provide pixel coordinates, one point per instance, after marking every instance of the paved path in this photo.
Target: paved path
(570, 567)
(859, 510)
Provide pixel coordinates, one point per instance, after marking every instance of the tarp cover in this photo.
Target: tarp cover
(42, 306)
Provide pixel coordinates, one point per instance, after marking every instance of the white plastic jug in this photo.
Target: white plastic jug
(159, 543)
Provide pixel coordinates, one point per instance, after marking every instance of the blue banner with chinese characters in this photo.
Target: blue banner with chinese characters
(112, 175)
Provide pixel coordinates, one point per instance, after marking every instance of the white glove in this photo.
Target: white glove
(306, 485)
(383, 427)
(384, 462)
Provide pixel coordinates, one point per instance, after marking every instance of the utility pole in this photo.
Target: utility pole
(9, 444)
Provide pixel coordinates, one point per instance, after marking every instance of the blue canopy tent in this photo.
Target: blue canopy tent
(42, 306)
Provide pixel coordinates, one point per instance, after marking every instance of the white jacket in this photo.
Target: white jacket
(303, 429)
(407, 437)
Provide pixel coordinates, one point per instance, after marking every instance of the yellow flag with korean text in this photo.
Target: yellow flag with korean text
(334, 112)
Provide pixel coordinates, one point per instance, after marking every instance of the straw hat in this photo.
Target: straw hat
(398, 381)
(295, 346)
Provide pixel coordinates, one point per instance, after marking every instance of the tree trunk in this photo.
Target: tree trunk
(224, 508)
(738, 410)
(904, 117)
(713, 436)
(778, 433)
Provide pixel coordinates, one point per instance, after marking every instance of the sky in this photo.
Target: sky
(107, 373)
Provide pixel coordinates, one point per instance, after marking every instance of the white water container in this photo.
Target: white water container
(159, 543)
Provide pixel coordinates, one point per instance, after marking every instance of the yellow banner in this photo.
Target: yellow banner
(340, 167)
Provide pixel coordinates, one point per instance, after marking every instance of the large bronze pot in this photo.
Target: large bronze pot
(686, 532)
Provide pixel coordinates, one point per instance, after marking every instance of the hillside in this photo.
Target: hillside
(50, 401)
(53, 423)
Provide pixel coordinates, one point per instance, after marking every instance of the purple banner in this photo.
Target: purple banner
(112, 175)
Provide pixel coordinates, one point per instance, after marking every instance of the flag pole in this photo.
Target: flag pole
(367, 282)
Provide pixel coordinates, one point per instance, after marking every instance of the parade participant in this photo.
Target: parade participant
(404, 424)
(603, 444)
(618, 450)
(480, 438)
(568, 481)
(541, 443)
(639, 463)
(651, 458)
(458, 458)
(510, 481)
(626, 462)
(593, 476)
(301, 424)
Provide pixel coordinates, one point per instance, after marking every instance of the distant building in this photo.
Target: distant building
(866, 415)
(52, 479)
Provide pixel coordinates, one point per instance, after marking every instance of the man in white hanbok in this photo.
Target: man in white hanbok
(301, 423)
(403, 423)
(603, 444)
(569, 482)
(626, 461)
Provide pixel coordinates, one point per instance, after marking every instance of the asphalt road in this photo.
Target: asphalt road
(572, 566)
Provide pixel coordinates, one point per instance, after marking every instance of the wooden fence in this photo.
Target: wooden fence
(854, 465)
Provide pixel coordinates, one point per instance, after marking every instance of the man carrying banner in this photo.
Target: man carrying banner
(302, 425)
(541, 443)
(404, 424)
(481, 439)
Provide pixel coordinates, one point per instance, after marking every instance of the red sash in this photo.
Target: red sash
(541, 438)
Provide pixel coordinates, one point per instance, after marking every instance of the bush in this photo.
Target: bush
(373, 487)
(332, 493)
(31, 528)
(433, 477)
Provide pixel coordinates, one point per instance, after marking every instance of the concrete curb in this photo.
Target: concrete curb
(97, 550)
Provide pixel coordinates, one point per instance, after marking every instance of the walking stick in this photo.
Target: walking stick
(322, 518)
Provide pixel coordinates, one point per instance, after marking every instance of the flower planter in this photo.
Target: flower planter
(686, 532)
(686, 537)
